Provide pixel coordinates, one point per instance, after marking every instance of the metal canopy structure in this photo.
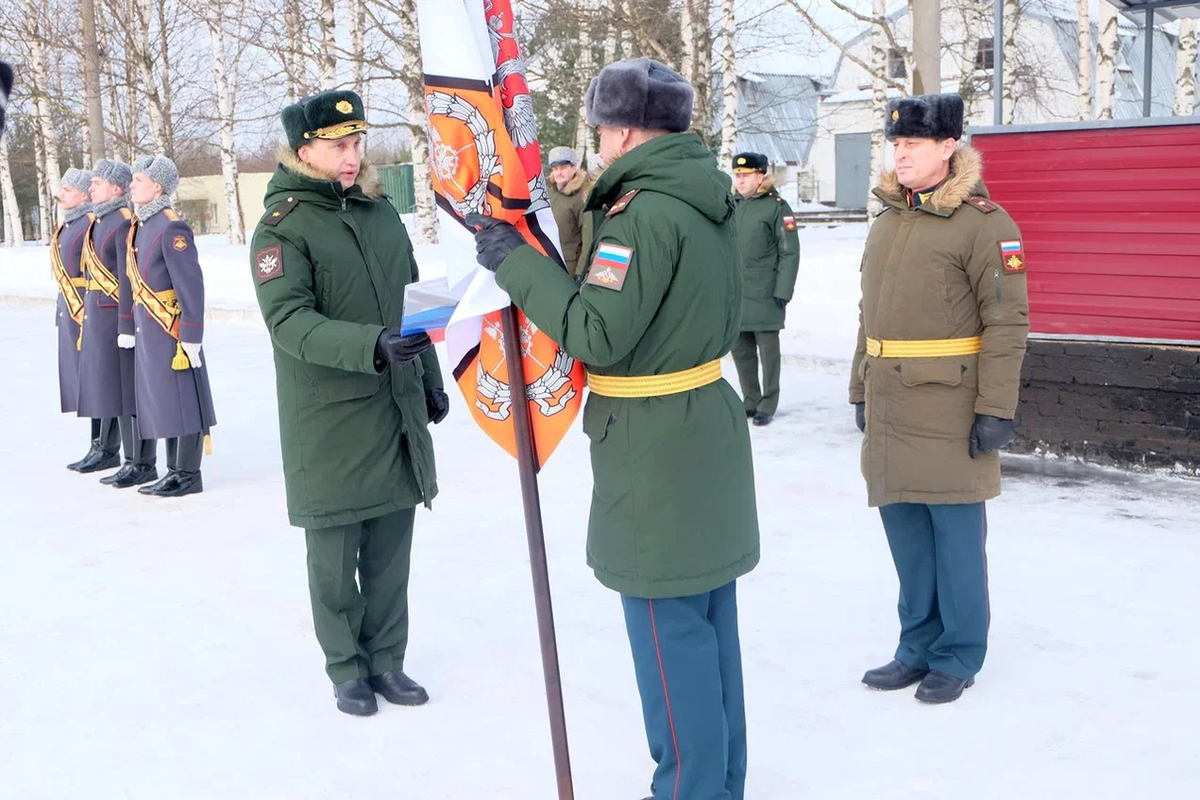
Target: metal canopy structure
(1147, 10)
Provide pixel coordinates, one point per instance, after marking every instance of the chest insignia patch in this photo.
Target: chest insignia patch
(610, 266)
(789, 223)
(268, 264)
(1012, 253)
(180, 243)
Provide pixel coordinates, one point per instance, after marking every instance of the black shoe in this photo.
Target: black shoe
(896, 675)
(133, 475)
(102, 460)
(176, 484)
(938, 687)
(761, 419)
(92, 453)
(355, 697)
(108, 480)
(398, 688)
(150, 489)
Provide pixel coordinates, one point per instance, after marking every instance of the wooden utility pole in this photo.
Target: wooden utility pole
(91, 82)
(927, 47)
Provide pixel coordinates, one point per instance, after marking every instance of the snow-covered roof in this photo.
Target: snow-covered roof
(777, 115)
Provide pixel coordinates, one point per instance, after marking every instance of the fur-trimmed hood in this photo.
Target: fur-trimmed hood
(966, 180)
(368, 179)
(575, 184)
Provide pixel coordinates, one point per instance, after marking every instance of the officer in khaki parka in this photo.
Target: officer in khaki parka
(936, 373)
(770, 249)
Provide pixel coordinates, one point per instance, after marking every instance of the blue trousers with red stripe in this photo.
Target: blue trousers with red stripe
(941, 559)
(688, 662)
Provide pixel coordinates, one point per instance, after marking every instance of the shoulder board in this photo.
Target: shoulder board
(275, 215)
(622, 204)
(982, 203)
(126, 213)
(171, 215)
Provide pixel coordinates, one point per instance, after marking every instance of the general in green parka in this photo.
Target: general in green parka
(330, 260)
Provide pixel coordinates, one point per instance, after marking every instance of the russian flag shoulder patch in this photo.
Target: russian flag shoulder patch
(609, 266)
(1012, 254)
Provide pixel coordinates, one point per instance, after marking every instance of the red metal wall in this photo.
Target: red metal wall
(1110, 219)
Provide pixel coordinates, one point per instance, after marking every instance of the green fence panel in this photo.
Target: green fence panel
(397, 182)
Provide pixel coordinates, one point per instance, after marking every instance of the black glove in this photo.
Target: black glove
(990, 433)
(860, 416)
(437, 403)
(6, 84)
(779, 301)
(494, 240)
(392, 348)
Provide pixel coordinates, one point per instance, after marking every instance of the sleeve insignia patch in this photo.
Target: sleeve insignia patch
(268, 264)
(609, 267)
(1012, 253)
(789, 223)
(180, 243)
(623, 203)
(983, 204)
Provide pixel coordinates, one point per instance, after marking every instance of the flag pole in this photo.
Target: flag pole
(528, 466)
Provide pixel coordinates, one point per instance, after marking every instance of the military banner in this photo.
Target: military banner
(486, 159)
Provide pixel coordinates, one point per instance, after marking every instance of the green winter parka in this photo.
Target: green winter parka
(673, 505)
(329, 268)
(770, 248)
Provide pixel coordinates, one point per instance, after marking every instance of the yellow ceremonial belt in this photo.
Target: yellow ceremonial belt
(655, 385)
(101, 279)
(924, 348)
(162, 307)
(67, 285)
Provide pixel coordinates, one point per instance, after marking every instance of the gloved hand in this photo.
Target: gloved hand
(437, 403)
(126, 341)
(990, 433)
(779, 301)
(393, 348)
(494, 240)
(193, 353)
(860, 416)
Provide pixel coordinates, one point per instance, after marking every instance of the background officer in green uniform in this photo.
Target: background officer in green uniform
(330, 260)
(770, 249)
(936, 373)
(674, 522)
(568, 187)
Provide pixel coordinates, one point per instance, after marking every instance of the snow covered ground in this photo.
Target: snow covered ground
(164, 649)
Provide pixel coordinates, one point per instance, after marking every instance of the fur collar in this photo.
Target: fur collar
(102, 210)
(76, 212)
(767, 186)
(368, 181)
(575, 184)
(153, 207)
(966, 173)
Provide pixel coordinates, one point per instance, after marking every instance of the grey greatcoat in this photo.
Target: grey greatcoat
(105, 371)
(70, 246)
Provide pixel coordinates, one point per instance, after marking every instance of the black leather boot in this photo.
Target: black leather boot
(399, 689)
(185, 479)
(107, 455)
(356, 697)
(95, 446)
(762, 419)
(892, 676)
(938, 687)
(144, 468)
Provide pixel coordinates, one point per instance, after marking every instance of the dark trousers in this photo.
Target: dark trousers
(941, 560)
(688, 663)
(137, 450)
(362, 632)
(751, 345)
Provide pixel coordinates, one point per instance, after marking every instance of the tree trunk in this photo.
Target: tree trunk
(133, 134)
(585, 70)
(91, 82)
(328, 46)
(293, 64)
(610, 40)
(414, 85)
(1185, 76)
(358, 22)
(1011, 15)
(1106, 61)
(927, 47)
(703, 78)
(1085, 60)
(13, 235)
(165, 55)
(214, 16)
(45, 204)
(145, 63)
(729, 86)
(687, 40)
(48, 154)
(879, 51)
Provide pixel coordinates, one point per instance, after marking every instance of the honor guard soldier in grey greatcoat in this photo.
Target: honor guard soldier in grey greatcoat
(166, 301)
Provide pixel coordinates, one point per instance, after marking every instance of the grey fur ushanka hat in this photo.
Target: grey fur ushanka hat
(640, 93)
(161, 170)
(115, 172)
(81, 179)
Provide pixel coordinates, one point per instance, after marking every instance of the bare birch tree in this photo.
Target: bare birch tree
(1106, 60)
(47, 137)
(357, 11)
(328, 24)
(1012, 10)
(45, 202)
(585, 69)
(729, 86)
(91, 81)
(13, 235)
(879, 53)
(214, 17)
(1185, 73)
(1085, 60)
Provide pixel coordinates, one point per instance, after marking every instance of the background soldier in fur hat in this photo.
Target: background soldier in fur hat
(330, 260)
(944, 316)
(163, 312)
(674, 522)
(106, 370)
(770, 248)
(66, 251)
(569, 187)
